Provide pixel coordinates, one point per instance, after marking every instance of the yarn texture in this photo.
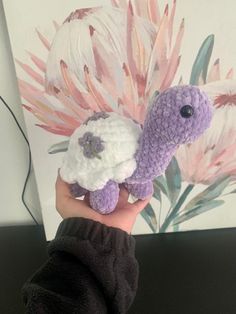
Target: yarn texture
(109, 149)
(166, 127)
(108, 155)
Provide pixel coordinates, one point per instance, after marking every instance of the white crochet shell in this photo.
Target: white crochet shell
(116, 162)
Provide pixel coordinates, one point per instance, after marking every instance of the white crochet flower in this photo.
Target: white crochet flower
(119, 137)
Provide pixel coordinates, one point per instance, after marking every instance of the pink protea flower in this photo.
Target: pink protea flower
(103, 59)
(214, 154)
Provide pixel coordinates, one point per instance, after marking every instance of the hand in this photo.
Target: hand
(123, 217)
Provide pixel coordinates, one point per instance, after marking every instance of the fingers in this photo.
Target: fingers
(67, 206)
(62, 188)
(139, 205)
(123, 197)
(124, 194)
(86, 199)
(63, 196)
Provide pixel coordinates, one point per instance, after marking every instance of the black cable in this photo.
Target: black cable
(30, 160)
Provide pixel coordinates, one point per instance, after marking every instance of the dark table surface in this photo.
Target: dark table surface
(180, 273)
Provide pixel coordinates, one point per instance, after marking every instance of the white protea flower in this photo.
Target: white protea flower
(103, 59)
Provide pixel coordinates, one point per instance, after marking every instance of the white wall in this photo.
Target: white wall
(13, 149)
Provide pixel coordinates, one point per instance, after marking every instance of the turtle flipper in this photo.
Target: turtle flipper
(140, 190)
(105, 200)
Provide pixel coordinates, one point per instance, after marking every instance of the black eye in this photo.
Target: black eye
(186, 111)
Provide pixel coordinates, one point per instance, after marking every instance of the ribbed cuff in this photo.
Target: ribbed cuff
(87, 229)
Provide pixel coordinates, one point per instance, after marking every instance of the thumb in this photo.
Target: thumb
(139, 205)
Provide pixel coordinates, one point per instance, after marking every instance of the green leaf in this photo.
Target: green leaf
(175, 210)
(173, 179)
(160, 183)
(157, 195)
(157, 192)
(200, 66)
(198, 210)
(59, 147)
(212, 192)
(149, 216)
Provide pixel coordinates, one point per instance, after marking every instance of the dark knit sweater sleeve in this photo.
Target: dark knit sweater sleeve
(91, 269)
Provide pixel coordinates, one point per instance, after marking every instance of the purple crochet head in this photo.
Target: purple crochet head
(180, 114)
(177, 116)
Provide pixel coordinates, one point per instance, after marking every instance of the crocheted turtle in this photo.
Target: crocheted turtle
(109, 149)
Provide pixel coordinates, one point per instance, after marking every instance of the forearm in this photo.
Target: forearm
(91, 269)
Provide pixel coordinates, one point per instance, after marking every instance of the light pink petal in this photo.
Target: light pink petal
(172, 69)
(174, 60)
(129, 91)
(229, 168)
(38, 101)
(123, 108)
(214, 73)
(49, 117)
(34, 111)
(41, 105)
(79, 97)
(105, 62)
(171, 23)
(40, 116)
(56, 25)
(204, 162)
(139, 56)
(230, 74)
(130, 39)
(70, 104)
(126, 113)
(70, 121)
(41, 65)
(158, 59)
(225, 154)
(119, 3)
(140, 8)
(136, 51)
(44, 40)
(97, 95)
(28, 108)
(33, 100)
(123, 4)
(36, 97)
(141, 113)
(28, 86)
(201, 165)
(57, 130)
(33, 74)
(141, 82)
(115, 3)
(153, 11)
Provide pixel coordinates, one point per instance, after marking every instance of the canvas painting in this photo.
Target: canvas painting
(77, 57)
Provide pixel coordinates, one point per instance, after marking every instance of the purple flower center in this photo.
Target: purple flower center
(92, 145)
